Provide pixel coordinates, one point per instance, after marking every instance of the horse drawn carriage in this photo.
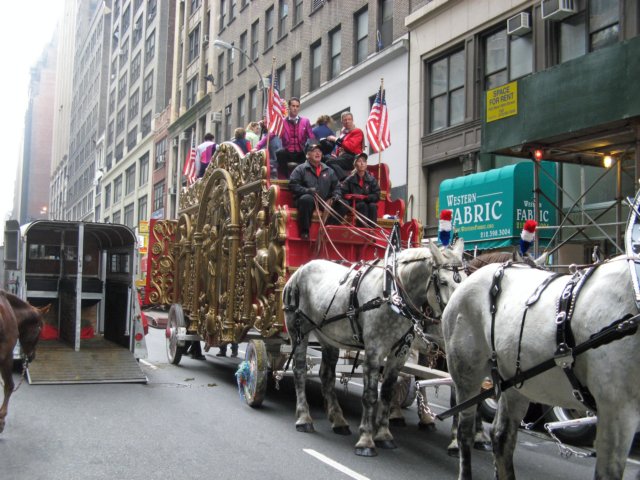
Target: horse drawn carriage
(223, 264)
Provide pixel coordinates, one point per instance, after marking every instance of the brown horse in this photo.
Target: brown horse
(18, 320)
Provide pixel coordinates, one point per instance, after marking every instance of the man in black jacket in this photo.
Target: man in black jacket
(362, 188)
(309, 179)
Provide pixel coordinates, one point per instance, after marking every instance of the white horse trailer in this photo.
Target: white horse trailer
(94, 331)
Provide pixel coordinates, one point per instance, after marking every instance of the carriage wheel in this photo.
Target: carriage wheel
(176, 319)
(579, 435)
(409, 385)
(255, 387)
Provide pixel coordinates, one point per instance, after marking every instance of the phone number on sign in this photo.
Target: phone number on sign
(498, 232)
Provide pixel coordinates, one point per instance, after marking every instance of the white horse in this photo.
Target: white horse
(315, 293)
(609, 372)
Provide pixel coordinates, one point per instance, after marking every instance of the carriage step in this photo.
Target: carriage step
(435, 382)
(570, 423)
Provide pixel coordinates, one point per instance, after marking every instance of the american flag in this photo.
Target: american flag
(276, 109)
(378, 124)
(189, 170)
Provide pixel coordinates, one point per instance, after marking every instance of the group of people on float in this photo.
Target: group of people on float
(316, 161)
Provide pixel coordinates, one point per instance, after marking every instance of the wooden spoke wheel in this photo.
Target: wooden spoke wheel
(176, 320)
(255, 387)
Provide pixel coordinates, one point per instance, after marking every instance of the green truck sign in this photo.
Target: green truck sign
(490, 208)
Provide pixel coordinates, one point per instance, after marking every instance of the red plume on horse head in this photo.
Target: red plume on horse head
(444, 227)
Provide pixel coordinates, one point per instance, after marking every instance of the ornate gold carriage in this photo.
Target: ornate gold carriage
(222, 265)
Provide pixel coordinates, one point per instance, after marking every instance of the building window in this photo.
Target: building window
(135, 68)
(446, 91)
(109, 161)
(126, 19)
(242, 119)
(116, 217)
(316, 64)
(242, 60)
(227, 122)
(192, 91)
(268, 28)
(362, 36)
(595, 26)
(297, 12)
(142, 209)
(149, 48)
(283, 12)
(507, 57)
(158, 196)
(254, 40)
(136, 5)
(130, 179)
(134, 105)
(136, 36)
(161, 151)
(230, 55)
(144, 170)
(385, 24)
(112, 102)
(119, 151)
(122, 88)
(220, 79)
(132, 138)
(253, 103)
(145, 127)
(110, 133)
(194, 44)
(107, 196)
(281, 78)
(222, 15)
(195, 4)
(151, 10)
(296, 76)
(120, 121)
(232, 10)
(124, 53)
(128, 216)
(117, 189)
(147, 88)
(336, 48)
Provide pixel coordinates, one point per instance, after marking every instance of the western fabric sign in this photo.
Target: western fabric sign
(490, 208)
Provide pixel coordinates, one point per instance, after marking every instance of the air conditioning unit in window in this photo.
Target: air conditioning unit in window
(216, 117)
(174, 142)
(227, 110)
(172, 190)
(184, 136)
(558, 9)
(205, 39)
(519, 24)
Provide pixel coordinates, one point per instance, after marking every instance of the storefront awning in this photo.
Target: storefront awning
(490, 208)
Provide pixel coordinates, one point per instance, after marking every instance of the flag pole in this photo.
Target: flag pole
(378, 133)
(265, 115)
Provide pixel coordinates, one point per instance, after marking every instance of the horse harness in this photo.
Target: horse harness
(566, 350)
(565, 341)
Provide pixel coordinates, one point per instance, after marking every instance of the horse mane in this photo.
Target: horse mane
(410, 255)
(488, 258)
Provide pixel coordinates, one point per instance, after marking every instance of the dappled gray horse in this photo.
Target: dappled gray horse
(320, 291)
(529, 332)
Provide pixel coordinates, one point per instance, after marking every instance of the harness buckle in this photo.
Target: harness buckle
(561, 317)
(578, 395)
(563, 357)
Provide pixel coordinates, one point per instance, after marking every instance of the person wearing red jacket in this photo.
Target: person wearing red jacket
(349, 144)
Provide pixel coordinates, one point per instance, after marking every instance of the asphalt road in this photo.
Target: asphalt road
(190, 422)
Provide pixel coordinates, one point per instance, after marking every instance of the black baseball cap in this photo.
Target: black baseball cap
(312, 146)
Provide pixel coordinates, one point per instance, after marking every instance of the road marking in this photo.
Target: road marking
(334, 464)
(150, 365)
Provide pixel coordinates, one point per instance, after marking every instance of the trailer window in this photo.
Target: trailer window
(119, 263)
(44, 252)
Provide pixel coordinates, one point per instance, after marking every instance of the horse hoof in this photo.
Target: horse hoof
(386, 444)
(305, 428)
(484, 446)
(366, 452)
(427, 427)
(343, 430)
(453, 452)
(397, 422)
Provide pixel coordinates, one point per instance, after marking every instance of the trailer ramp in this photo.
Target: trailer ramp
(98, 361)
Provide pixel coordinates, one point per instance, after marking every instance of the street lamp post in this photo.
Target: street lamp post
(261, 83)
